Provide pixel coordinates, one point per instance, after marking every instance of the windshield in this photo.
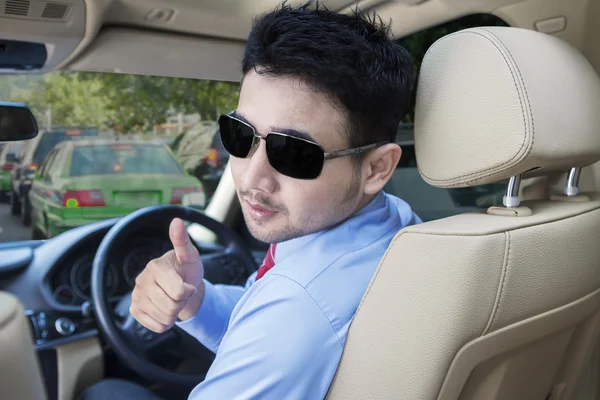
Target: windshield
(9, 151)
(50, 139)
(122, 159)
(122, 153)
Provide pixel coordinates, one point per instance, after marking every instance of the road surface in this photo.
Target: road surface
(11, 228)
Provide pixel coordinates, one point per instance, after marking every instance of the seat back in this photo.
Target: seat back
(501, 303)
(21, 376)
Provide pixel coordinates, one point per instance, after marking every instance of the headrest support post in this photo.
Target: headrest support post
(511, 198)
(572, 185)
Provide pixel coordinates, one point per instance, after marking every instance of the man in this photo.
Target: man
(312, 145)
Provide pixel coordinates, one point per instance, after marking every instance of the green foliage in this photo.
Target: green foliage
(10, 85)
(125, 103)
(71, 100)
(139, 102)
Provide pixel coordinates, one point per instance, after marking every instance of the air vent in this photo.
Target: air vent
(35, 9)
(55, 11)
(16, 7)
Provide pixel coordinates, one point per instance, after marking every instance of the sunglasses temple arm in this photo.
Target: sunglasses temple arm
(353, 151)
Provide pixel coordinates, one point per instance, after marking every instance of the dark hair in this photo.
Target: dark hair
(350, 57)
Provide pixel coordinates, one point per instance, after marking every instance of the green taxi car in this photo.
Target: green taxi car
(8, 158)
(89, 180)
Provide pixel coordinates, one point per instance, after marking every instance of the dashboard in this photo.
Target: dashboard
(70, 281)
(52, 278)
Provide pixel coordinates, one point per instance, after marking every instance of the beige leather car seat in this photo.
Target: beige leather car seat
(20, 375)
(502, 303)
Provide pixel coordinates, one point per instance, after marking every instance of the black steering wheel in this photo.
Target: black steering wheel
(132, 342)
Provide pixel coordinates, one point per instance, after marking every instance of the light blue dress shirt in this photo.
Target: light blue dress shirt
(282, 336)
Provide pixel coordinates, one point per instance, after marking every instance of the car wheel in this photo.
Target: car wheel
(15, 204)
(4, 196)
(26, 212)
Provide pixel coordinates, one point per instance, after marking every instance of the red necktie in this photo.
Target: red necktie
(268, 263)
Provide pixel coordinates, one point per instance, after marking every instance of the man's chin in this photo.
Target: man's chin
(260, 230)
(268, 232)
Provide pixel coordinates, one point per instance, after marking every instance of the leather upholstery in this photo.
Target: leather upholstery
(496, 102)
(482, 306)
(446, 283)
(20, 376)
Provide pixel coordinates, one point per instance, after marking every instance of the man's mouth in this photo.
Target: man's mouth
(259, 211)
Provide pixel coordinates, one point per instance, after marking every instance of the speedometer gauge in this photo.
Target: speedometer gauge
(81, 277)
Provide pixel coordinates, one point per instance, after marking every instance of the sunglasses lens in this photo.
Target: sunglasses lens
(236, 136)
(294, 157)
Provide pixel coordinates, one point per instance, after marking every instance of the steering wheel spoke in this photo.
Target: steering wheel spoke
(225, 268)
(142, 340)
(151, 343)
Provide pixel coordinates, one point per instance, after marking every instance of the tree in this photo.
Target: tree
(11, 85)
(73, 101)
(121, 102)
(143, 101)
(207, 98)
(136, 102)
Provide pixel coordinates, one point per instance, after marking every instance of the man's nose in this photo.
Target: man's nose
(258, 173)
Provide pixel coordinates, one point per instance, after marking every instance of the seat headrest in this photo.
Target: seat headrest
(496, 102)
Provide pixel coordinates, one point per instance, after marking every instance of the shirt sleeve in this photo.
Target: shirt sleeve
(279, 345)
(210, 322)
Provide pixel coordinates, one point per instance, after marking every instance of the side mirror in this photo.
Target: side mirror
(16, 122)
(195, 200)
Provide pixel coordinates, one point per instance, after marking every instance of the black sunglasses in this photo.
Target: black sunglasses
(289, 155)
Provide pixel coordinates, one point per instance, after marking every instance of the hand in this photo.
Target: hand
(169, 286)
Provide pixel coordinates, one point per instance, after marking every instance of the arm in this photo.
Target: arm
(279, 345)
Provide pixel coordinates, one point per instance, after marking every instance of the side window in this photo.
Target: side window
(430, 202)
(58, 162)
(47, 164)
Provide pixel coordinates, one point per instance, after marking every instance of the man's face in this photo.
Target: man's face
(276, 207)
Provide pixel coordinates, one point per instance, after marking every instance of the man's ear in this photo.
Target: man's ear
(380, 165)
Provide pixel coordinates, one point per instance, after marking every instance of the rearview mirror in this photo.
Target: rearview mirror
(16, 122)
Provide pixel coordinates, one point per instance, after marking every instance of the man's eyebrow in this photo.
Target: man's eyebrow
(286, 131)
(294, 132)
(239, 116)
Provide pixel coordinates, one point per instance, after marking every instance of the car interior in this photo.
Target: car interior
(495, 296)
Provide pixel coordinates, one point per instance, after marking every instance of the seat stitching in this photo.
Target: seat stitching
(377, 271)
(507, 233)
(520, 101)
(540, 223)
(501, 284)
(528, 100)
(519, 92)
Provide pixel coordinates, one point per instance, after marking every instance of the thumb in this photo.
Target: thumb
(185, 251)
(188, 290)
